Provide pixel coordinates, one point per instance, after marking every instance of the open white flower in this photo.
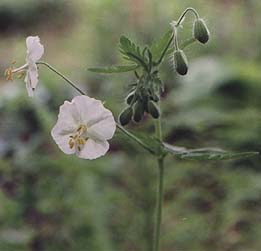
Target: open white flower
(35, 51)
(83, 127)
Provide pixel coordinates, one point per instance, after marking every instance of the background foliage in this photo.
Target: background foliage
(49, 201)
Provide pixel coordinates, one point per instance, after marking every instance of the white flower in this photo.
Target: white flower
(83, 127)
(35, 51)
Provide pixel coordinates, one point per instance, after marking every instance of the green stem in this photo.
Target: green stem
(165, 50)
(134, 138)
(174, 35)
(61, 75)
(129, 134)
(159, 205)
(184, 14)
(157, 227)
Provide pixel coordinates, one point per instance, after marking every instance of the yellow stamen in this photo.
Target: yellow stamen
(71, 143)
(9, 73)
(76, 139)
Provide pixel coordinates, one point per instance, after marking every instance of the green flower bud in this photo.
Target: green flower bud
(200, 31)
(153, 109)
(130, 98)
(155, 97)
(125, 116)
(138, 111)
(180, 62)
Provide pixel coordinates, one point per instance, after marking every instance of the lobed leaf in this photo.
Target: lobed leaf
(205, 153)
(131, 51)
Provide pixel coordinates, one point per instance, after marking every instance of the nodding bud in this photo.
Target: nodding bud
(125, 116)
(138, 111)
(200, 31)
(154, 97)
(130, 98)
(153, 110)
(180, 62)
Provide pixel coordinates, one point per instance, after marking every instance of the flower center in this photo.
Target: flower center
(77, 139)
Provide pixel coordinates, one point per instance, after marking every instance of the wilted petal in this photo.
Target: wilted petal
(35, 49)
(93, 149)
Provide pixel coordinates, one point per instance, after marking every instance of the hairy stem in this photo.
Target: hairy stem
(156, 239)
(159, 205)
(184, 14)
(165, 50)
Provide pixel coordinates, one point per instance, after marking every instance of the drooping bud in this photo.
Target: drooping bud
(200, 31)
(155, 97)
(153, 109)
(125, 116)
(180, 62)
(138, 111)
(131, 98)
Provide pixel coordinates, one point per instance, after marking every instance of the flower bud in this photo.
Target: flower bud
(153, 109)
(200, 31)
(130, 98)
(125, 116)
(138, 111)
(180, 62)
(155, 97)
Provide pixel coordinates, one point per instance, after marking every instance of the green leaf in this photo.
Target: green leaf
(158, 47)
(114, 69)
(131, 51)
(205, 153)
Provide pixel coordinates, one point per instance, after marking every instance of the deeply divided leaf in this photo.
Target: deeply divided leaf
(131, 51)
(205, 153)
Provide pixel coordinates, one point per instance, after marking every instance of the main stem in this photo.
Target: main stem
(156, 239)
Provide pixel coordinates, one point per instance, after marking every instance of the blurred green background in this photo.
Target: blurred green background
(50, 201)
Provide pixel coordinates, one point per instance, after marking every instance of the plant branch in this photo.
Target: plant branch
(184, 14)
(123, 130)
(61, 75)
(134, 138)
(165, 50)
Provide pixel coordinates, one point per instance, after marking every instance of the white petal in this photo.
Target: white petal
(61, 134)
(28, 85)
(35, 49)
(31, 78)
(104, 129)
(90, 110)
(93, 149)
(68, 114)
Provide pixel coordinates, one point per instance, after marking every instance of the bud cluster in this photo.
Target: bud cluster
(142, 98)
